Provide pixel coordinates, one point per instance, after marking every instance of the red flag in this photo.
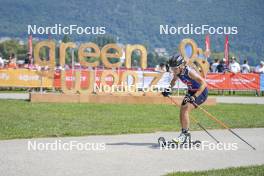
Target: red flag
(226, 50)
(207, 43)
(207, 46)
(30, 44)
(30, 49)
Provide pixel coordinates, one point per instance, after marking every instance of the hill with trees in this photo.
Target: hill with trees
(139, 21)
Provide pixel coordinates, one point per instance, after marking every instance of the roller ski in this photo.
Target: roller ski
(183, 141)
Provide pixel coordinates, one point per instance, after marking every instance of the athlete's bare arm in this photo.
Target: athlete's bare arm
(173, 81)
(195, 76)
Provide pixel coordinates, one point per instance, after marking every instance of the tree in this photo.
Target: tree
(66, 39)
(13, 46)
(68, 53)
(154, 59)
(103, 40)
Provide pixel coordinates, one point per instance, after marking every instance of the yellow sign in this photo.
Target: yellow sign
(88, 50)
(33, 78)
(23, 78)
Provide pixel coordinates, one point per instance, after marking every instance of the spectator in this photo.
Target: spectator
(12, 61)
(67, 67)
(260, 67)
(2, 63)
(161, 67)
(221, 67)
(234, 67)
(214, 65)
(210, 66)
(27, 59)
(28, 62)
(245, 67)
(58, 67)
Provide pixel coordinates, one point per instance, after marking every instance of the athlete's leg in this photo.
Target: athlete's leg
(185, 123)
(185, 110)
(184, 115)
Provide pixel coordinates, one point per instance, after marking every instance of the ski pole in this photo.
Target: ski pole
(223, 124)
(200, 125)
(204, 129)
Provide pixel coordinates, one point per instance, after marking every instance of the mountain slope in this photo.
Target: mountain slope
(138, 21)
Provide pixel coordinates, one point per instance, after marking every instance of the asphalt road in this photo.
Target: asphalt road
(240, 100)
(15, 96)
(136, 154)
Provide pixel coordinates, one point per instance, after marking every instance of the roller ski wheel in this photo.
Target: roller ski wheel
(196, 143)
(162, 142)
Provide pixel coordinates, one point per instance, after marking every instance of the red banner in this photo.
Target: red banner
(84, 78)
(217, 81)
(245, 81)
(225, 81)
(230, 81)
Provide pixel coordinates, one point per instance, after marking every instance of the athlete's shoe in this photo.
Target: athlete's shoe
(183, 138)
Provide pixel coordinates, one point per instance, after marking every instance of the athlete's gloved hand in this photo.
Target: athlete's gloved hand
(166, 92)
(189, 99)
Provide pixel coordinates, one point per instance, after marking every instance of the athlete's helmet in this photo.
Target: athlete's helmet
(176, 61)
